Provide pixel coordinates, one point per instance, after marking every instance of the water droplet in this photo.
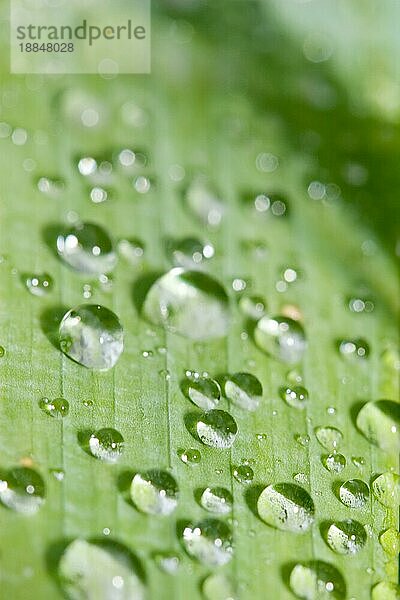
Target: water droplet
(379, 422)
(88, 403)
(346, 537)
(239, 285)
(59, 407)
(99, 570)
(167, 562)
(286, 506)
(191, 456)
(243, 473)
(330, 438)
(203, 202)
(390, 541)
(2, 351)
(243, 389)
(202, 391)
(261, 437)
(295, 396)
(217, 500)
(154, 492)
(218, 587)
(131, 249)
(98, 195)
(281, 337)
(22, 489)
(38, 284)
(334, 463)
(360, 305)
(294, 377)
(357, 348)
(385, 590)
(209, 541)
(253, 307)
(354, 493)
(317, 580)
(107, 444)
(190, 303)
(92, 336)
(58, 474)
(87, 248)
(386, 489)
(217, 429)
(303, 440)
(143, 184)
(50, 186)
(358, 461)
(189, 252)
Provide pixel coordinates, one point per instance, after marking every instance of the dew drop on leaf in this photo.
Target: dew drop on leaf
(204, 392)
(92, 336)
(243, 473)
(39, 284)
(357, 348)
(154, 492)
(334, 463)
(190, 457)
(168, 562)
(189, 253)
(281, 337)
(346, 537)
(87, 248)
(209, 541)
(390, 541)
(132, 250)
(286, 506)
(218, 587)
(295, 396)
(252, 307)
(217, 428)
(354, 493)
(243, 390)
(217, 500)
(59, 407)
(203, 202)
(379, 422)
(317, 580)
(330, 438)
(386, 489)
(22, 489)
(106, 444)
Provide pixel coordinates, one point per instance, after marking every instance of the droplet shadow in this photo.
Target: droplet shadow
(50, 320)
(251, 496)
(141, 287)
(124, 481)
(191, 419)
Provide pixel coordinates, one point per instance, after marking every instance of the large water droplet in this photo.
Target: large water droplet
(210, 541)
(190, 303)
(330, 438)
(107, 444)
(87, 248)
(217, 428)
(334, 463)
(244, 390)
(286, 506)
(281, 337)
(59, 407)
(22, 489)
(217, 500)
(154, 492)
(295, 396)
(99, 571)
(386, 489)
(202, 391)
(317, 580)
(385, 590)
(92, 336)
(38, 284)
(379, 422)
(218, 587)
(346, 537)
(354, 493)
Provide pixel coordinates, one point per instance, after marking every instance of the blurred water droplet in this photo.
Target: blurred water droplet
(267, 162)
(295, 396)
(154, 492)
(317, 580)
(261, 437)
(92, 336)
(218, 587)
(217, 500)
(202, 391)
(330, 438)
(58, 474)
(143, 184)
(244, 390)
(87, 248)
(189, 303)
(50, 186)
(87, 165)
(346, 537)
(38, 284)
(386, 489)
(357, 348)
(217, 428)
(102, 570)
(167, 562)
(98, 195)
(294, 377)
(203, 202)
(243, 473)
(354, 493)
(59, 407)
(379, 422)
(22, 489)
(191, 456)
(131, 249)
(286, 506)
(281, 337)
(334, 463)
(189, 252)
(390, 541)
(106, 444)
(361, 305)
(252, 307)
(209, 541)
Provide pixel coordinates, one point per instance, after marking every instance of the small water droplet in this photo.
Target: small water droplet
(143, 184)
(379, 422)
(38, 284)
(354, 493)
(191, 456)
(244, 390)
(167, 562)
(386, 489)
(106, 444)
(209, 541)
(330, 438)
(2, 351)
(334, 463)
(132, 250)
(50, 186)
(59, 407)
(88, 403)
(281, 337)
(253, 307)
(217, 428)
(295, 396)
(286, 506)
(346, 537)
(294, 377)
(22, 489)
(261, 437)
(154, 492)
(203, 202)
(202, 391)
(239, 284)
(243, 473)
(98, 195)
(189, 252)
(217, 500)
(361, 305)
(58, 474)
(317, 580)
(303, 440)
(87, 247)
(357, 348)
(390, 541)
(92, 336)
(217, 586)
(358, 461)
